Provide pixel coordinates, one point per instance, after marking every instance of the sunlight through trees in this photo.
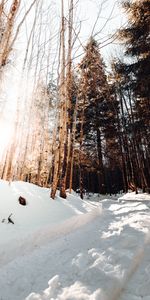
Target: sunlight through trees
(67, 120)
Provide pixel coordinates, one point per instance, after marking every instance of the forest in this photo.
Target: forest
(69, 120)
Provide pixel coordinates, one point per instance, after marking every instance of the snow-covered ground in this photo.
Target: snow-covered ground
(95, 249)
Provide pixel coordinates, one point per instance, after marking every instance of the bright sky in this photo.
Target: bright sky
(100, 18)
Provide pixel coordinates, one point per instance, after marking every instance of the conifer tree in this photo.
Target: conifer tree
(135, 74)
(137, 42)
(96, 116)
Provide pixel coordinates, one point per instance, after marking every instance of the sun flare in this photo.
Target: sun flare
(6, 130)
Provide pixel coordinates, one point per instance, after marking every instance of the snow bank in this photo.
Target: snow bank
(40, 210)
(76, 291)
(41, 220)
(132, 196)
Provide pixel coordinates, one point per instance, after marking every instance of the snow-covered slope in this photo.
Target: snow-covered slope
(40, 220)
(92, 250)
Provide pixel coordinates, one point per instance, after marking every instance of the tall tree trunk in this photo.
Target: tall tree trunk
(67, 144)
(62, 116)
(101, 173)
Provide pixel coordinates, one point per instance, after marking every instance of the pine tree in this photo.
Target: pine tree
(96, 116)
(137, 41)
(136, 74)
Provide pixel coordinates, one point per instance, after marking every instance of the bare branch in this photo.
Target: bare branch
(22, 21)
(108, 19)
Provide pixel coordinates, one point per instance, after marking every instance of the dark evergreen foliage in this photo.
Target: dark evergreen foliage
(132, 86)
(97, 117)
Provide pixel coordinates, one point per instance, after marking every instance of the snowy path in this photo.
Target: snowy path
(35, 269)
(110, 268)
(93, 251)
(90, 262)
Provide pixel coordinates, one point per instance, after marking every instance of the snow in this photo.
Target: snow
(73, 249)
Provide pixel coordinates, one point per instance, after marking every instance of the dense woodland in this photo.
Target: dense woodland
(88, 128)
